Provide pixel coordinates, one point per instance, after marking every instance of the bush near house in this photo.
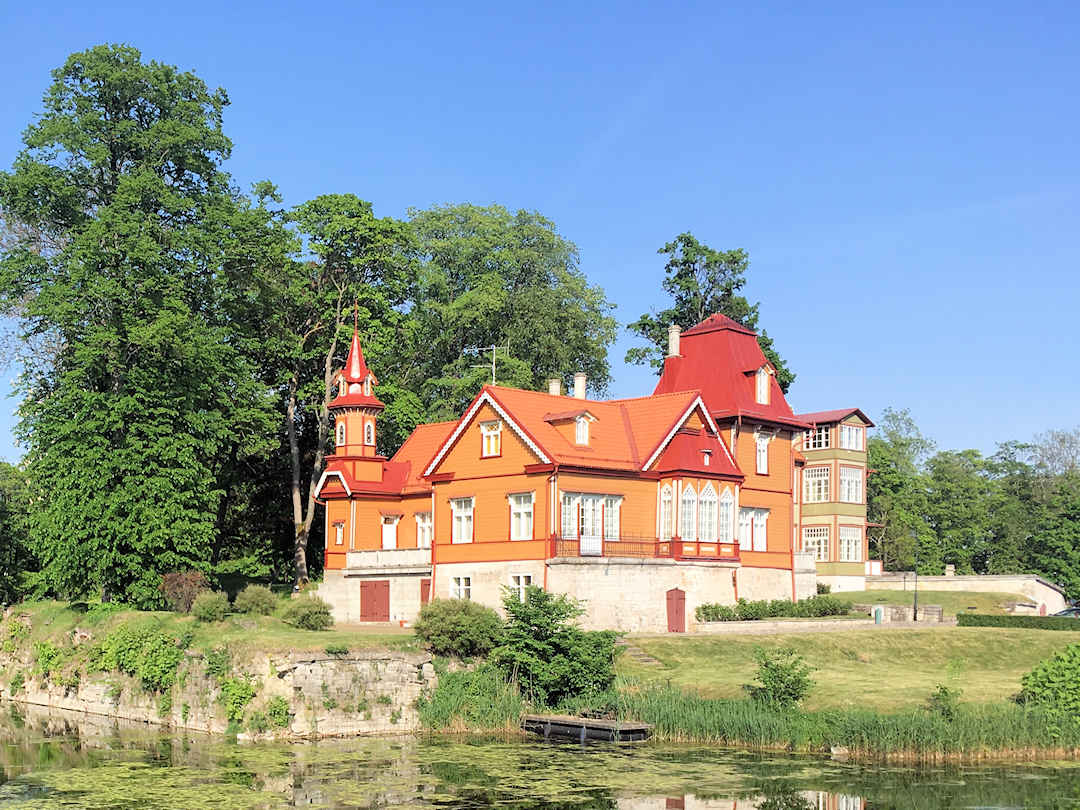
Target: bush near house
(307, 613)
(458, 627)
(210, 606)
(1055, 684)
(810, 608)
(783, 678)
(257, 599)
(1027, 622)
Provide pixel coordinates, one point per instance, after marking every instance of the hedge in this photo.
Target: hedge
(810, 608)
(1029, 622)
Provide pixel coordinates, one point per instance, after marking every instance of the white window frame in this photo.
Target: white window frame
(688, 513)
(753, 529)
(491, 439)
(761, 386)
(612, 517)
(761, 452)
(369, 434)
(521, 509)
(818, 438)
(816, 539)
(568, 528)
(339, 533)
(725, 517)
(424, 529)
(817, 484)
(519, 582)
(461, 587)
(708, 514)
(851, 437)
(761, 530)
(849, 544)
(851, 484)
(339, 433)
(667, 512)
(581, 430)
(746, 529)
(462, 513)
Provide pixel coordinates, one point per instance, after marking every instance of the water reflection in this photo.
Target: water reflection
(53, 760)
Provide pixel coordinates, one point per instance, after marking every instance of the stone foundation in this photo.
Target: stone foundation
(341, 590)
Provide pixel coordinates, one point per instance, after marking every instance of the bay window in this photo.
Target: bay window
(851, 484)
(851, 437)
(816, 484)
(850, 544)
(688, 514)
(815, 539)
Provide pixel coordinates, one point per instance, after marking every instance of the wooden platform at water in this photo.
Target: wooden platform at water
(584, 728)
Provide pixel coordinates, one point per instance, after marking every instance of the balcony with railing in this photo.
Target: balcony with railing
(648, 548)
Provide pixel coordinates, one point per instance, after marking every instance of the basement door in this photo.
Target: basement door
(676, 611)
(375, 600)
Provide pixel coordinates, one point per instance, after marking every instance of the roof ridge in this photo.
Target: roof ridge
(654, 396)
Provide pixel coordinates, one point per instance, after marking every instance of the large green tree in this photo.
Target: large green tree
(701, 281)
(128, 424)
(490, 277)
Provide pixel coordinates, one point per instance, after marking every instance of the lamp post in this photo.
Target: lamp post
(915, 609)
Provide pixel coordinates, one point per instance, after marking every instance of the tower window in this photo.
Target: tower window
(762, 393)
(340, 439)
(369, 434)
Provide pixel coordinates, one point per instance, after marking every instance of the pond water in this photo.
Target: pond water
(56, 760)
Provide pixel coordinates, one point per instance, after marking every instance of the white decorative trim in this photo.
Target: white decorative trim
(322, 480)
(469, 414)
(697, 403)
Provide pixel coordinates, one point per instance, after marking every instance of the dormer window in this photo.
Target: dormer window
(367, 386)
(491, 439)
(341, 387)
(706, 457)
(762, 386)
(581, 430)
(340, 434)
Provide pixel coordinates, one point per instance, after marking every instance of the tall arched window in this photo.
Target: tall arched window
(665, 512)
(369, 434)
(341, 433)
(707, 514)
(726, 517)
(762, 392)
(688, 514)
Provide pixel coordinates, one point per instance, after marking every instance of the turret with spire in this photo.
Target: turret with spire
(355, 407)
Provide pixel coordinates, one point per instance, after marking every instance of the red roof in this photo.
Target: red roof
(719, 357)
(823, 417)
(354, 374)
(356, 370)
(401, 475)
(687, 451)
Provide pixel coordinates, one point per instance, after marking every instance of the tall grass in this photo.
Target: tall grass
(476, 700)
(975, 731)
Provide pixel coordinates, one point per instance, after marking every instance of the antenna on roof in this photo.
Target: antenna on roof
(494, 349)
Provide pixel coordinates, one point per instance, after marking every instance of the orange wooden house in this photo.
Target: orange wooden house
(643, 508)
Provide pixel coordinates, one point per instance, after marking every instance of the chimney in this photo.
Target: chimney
(673, 333)
(555, 387)
(579, 385)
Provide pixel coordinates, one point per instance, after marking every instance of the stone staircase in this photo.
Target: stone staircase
(636, 654)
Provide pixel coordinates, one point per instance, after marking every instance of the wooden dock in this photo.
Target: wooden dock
(584, 728)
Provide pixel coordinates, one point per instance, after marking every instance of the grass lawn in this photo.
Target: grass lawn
(887, 669)
(952, 602)
(55, 621)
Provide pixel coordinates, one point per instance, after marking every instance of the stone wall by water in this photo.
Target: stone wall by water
(359, 693)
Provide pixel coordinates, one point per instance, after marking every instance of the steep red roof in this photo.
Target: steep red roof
(354, 374)
(823, 417)
(402, 474)
(719, 357)
(687, 451)
(356, 370)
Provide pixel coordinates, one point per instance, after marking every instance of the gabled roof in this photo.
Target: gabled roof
(687, 451)
(824, 417)
(627, 434)
(418, 449)
(717, 357)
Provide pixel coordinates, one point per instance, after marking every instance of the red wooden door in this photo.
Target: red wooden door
(425, 591)
(676, 611)
(375, 600)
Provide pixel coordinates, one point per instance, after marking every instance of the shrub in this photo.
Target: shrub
(1055, 683)
(822, 588)
(258, 723)
(783, 678)
(180, 588)
(750, 611)
(944, 701)
(1026, 622)
(811, 607)
(141, 650)
(308, 613)
(236, 694)
(47, 659)
(551, 658)
(458, 627)
(210, 606)
(714, 612)
(337, 650)
(257, 599)
(16, 685)
(218, 663)
(277, 710)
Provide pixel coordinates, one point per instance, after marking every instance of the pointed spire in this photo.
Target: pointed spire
(356, 370)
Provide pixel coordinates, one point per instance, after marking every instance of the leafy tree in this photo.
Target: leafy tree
(494, 278)
(701, 281)
(958, 496)
(128, 423)
(16, 560)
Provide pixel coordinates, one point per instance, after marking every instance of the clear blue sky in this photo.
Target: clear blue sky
(904, 179)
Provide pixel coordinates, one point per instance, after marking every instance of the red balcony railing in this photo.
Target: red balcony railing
(643, 548)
